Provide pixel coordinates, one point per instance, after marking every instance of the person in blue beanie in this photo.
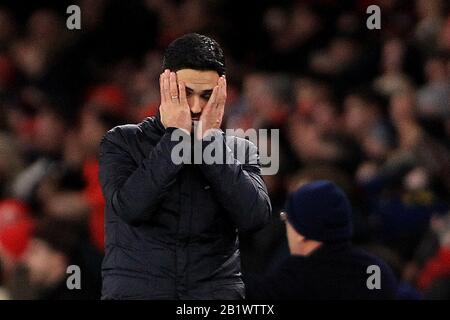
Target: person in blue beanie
(323, 264)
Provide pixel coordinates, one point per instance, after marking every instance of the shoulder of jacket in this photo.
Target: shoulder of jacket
(241, 143)
(122, 132)
(123, 135)
(128, 131)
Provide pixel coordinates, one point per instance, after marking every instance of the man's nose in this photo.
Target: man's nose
(195, 104)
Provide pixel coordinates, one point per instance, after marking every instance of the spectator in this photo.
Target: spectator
(53, 247)
(323, 264)
(437, 267)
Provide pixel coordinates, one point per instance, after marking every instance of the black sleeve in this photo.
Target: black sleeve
(133, 190)
(238, 186)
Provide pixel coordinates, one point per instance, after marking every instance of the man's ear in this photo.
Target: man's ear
(299, 238)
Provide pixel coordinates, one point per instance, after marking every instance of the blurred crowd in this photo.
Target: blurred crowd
(367, 109)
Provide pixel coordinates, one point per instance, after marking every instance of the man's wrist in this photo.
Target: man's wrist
(172, 129)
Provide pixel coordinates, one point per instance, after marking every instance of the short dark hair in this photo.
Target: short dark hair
(194, 51)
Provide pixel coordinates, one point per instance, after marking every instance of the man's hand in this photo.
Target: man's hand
(174, 108)
(212, 114)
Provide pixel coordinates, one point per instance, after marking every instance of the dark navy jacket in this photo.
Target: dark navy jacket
(332, 272)
(172, 229)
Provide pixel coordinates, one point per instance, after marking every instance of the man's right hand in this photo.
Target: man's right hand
(174, 108)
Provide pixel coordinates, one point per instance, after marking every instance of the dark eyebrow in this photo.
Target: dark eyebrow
(209, 91)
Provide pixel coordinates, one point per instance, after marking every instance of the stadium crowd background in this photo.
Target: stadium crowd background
(367, 109)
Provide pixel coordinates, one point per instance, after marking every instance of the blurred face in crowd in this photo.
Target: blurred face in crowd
(402, 107)
(258, 94)
(199, 87)
(43, 26)
(49, 132)
(7, 25)
(91, 130)
(45, 265)
(375, 146)
(358, 116)
(428, 8)
(255, 88)
(444, 37)
(435, 70)
(393, 52)
(324, 116)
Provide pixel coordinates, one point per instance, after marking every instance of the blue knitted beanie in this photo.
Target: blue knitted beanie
(321, 211)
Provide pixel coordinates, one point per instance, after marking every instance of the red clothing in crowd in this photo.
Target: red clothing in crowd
(94, 196)
(435, 268)
(16, 227)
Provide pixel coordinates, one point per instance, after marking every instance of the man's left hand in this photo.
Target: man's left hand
(212, 114)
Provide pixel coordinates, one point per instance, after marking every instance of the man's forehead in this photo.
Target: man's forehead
(206, 79)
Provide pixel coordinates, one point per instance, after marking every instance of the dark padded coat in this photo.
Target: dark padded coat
(172, 229)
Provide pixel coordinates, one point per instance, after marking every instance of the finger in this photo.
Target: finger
(221, 101)
(166, 85)
(222, 94)
(213, 99)
(161, 88)
(162, 113)
(210, 103)
(173, 88)
(182, 92)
